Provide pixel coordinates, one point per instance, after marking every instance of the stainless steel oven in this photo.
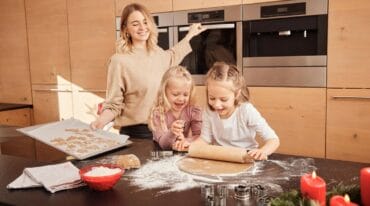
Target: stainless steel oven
(164, 22)
(165, 27)
(222, 41)
(285, 43)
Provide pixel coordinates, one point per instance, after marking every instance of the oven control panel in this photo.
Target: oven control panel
(206, 16)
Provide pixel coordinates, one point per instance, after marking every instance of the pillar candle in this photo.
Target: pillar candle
(313, 187)
(365, 186)
(338, 200)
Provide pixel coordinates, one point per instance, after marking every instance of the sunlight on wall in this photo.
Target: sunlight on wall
(84, 101)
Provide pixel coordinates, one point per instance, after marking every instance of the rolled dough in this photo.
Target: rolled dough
(199, 166)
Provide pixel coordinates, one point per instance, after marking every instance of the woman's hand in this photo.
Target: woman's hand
(97, 124)
(105, 117)
(194, 30)
(258, 154)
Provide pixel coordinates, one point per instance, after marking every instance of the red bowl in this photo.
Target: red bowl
(101, 183)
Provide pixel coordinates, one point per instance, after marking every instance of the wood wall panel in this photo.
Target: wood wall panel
(16, 117)
(52, 103)
(348, 121)
(199, 4)
(298, 116)
(15, 86)
(348, 44)
(92, 41)
(257, 1)
(48, 41)
(154, 6)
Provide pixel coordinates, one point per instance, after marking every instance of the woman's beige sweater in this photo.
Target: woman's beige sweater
(134, 79)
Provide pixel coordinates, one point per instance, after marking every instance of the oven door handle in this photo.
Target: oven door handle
(211, 26)
(285, 33)
(162, 30)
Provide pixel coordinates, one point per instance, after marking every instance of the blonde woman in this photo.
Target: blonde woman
(135, 70)
(174, 120)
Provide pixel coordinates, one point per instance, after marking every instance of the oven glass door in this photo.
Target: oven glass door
(296, 36)
(217, 43)
(164, 37)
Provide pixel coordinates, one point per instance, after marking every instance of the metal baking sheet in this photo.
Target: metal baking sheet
(75, 138)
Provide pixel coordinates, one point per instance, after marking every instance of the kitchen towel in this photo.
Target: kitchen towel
(53, 177)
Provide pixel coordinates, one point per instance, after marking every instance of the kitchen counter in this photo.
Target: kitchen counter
(10, 106)
(126, 194)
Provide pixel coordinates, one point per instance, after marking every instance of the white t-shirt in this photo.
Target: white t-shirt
(239, 130)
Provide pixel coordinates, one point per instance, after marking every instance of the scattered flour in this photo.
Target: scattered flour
(164, 174)
(102, 171)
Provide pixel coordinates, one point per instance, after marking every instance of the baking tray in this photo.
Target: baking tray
(75, 138)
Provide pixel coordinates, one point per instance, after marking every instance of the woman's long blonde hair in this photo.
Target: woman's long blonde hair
(221, 71)
(162, 105)
(124, 43)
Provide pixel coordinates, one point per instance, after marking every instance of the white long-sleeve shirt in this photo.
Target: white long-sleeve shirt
(239, 130)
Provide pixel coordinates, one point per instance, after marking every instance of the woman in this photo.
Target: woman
(135, 71)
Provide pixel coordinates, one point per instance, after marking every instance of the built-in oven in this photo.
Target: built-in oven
(222, 41)
(285, 43)
(164, 22)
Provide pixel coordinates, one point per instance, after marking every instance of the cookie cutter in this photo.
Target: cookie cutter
(242, 192)
(157, 155)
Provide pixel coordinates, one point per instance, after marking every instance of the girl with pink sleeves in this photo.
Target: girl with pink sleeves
(174, 120)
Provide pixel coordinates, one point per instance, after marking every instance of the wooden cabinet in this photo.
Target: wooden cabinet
(45, 153)
(21, 146)
(154, 6)
(348, 121)
(85, 103)
(16, 117)
(297, 115)
(348, 44)
(51, 103)
(258, 1)
(48, 41)
(348, 134)
(200, 96)
(15, 86)
(200, 4)
(92, 41)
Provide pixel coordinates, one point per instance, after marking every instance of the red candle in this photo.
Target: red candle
(313, 187)
(338, 200)
(365, 186)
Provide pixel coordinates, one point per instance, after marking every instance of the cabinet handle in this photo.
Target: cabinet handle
(211, 26)
(92, 90)
(350, 97)
(52, 90)
(285, 33)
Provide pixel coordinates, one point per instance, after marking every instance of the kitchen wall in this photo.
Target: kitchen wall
(54, 54)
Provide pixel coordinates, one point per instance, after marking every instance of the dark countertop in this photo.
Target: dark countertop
(126, 194)
(9, 132)
(10, 106)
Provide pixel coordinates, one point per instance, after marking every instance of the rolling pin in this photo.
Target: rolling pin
(223, 153)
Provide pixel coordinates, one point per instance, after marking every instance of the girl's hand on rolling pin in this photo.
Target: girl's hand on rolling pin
(257, 154)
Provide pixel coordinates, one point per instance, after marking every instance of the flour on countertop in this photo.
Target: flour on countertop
(164, 174)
